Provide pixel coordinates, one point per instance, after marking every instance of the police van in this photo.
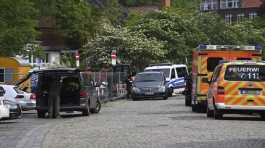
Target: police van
(175, 75)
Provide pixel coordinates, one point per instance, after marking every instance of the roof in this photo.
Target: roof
(55, 69)
(17, 60)
(150, 72)
(229, 47)
(163, 66)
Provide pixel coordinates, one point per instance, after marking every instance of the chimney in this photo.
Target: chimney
(165, 3)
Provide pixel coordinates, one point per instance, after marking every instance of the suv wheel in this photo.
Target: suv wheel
(86, 112)
(41, 114)
(97, 109)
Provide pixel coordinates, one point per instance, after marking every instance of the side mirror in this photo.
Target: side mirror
(2, 92)
(205, 80)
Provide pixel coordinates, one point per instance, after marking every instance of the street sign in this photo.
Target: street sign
(113, 57)
(77, 58)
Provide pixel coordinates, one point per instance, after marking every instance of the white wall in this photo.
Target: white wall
(54, 58)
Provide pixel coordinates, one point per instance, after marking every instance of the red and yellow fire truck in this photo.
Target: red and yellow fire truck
(206, 58)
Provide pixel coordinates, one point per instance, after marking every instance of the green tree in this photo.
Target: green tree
(18, 23)
(177, 28)
(79, 20)
(132, 47)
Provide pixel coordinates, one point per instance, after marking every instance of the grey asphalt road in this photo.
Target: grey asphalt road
(137, 124)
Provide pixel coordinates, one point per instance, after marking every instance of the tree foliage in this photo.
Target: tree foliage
(170, 36)
(17, 25)
(132, 47)
(176, 28)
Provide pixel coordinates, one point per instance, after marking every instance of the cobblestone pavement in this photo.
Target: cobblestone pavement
(135, 124)
(156, 124)
(14, 133)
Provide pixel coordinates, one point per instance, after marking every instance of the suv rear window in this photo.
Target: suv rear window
(245, 73)
(149, 77)
(166, 71)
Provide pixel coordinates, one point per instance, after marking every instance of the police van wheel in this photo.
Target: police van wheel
(170, 93)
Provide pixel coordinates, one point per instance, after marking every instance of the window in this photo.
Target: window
(182, 72)
(212, 63)
(228, 18)
(165, 71)
(247, 59)
(240, 18)
(173, 74)
(149, 77)
(2, 92)
(252, 15)
(226, 4)
(209, 5)
(245, 73)
(2, 75)
(18, 91)
(216, 73)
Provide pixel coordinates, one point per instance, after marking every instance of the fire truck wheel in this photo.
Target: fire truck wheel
(209, 113)
(188, 100)
(194, 108)
(262, 115)
(217, 114)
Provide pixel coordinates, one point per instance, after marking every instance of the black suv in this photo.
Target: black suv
(62, 89)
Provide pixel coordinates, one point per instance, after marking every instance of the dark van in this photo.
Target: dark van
(63, 90)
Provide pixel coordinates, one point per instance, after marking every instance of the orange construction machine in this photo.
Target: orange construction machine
(205, 59)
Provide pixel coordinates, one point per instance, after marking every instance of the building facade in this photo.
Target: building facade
(234, 10)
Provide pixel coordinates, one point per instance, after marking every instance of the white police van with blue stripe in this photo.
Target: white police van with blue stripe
(175, 75)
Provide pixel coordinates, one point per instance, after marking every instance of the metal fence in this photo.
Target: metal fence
(106, 85)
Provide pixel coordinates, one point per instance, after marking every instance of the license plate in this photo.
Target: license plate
(149, 93)
(250, 92)
(30, 104)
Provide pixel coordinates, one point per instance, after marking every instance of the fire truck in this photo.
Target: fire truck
(205, 59)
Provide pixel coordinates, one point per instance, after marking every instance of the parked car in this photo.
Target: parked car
(237, 87)
(8, 109)
(150, 85)
(26, 100)
(4, 110)
(63, 90)
(175, 75)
